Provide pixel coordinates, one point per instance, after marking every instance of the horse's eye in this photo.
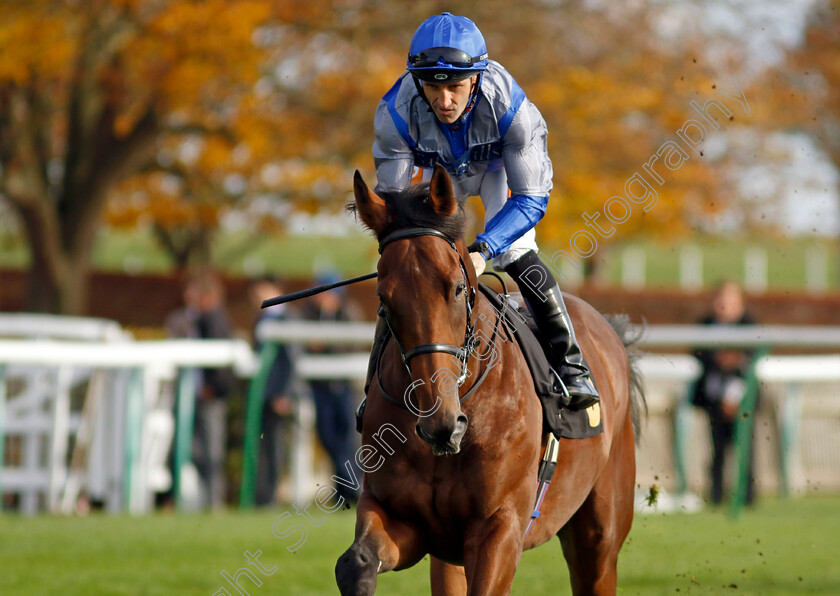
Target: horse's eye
(459, 289)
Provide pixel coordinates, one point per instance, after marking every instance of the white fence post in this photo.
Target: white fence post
(133, 435)
(691, 267)
(755, 269)
(816, 269)
(60, 437)
(633, 265)
(303, 456)
(790, 417)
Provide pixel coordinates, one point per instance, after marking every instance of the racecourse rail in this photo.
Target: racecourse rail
(122, 432)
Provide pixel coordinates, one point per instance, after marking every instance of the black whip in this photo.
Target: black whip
(312, 291)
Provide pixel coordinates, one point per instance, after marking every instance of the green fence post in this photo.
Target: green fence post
(791, 414)
(184, 421)
(253, 423)
(2, 428)
(133, 429)
(683, 419)
(744, 426)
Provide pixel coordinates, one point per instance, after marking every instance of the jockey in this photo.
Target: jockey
(456, 107)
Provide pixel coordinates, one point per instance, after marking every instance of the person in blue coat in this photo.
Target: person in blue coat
(456, 107)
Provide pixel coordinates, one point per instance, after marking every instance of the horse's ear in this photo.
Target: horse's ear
(371, 208)
(441, 196)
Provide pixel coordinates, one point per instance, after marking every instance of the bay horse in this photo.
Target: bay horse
(456, 478)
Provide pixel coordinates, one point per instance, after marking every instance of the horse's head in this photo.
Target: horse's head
(426, 284)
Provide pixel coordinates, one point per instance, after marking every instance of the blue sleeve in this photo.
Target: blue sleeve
(519, 214)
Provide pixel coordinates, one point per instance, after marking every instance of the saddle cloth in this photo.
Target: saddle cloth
(562, 422)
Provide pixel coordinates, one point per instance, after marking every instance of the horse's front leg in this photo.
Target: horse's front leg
(381, 544)
(447, 579)
(492, 552)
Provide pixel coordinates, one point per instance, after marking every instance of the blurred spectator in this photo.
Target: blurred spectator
(721, 386)
(282, 391)
(334, 402)
(203, 316)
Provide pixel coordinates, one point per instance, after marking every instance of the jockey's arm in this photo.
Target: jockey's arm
(392, 156)
(529, 173)
(393, 174)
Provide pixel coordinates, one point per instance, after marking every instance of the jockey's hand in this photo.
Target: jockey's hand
(478, 263)
(479, 254)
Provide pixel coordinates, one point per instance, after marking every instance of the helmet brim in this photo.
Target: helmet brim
(436, 75)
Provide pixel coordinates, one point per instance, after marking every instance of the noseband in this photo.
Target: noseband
(470, 340)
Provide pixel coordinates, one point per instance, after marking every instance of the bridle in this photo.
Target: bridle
(471, 341)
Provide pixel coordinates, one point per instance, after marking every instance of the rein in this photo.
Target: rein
(470, 343)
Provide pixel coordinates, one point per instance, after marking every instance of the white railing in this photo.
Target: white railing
(739, 336)
(60, 327)
(124, 429)
(667, 377)
(124, 411)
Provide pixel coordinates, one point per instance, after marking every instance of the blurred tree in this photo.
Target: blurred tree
(803, 93)
(819, 59)
(292, 139)
(612, 93)
(800, 95)
(589, 68)
(88, 91)
(176, 110)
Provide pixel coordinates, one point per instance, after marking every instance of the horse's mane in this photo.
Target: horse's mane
(410, 208)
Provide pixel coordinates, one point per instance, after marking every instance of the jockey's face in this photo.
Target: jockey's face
(448, 100)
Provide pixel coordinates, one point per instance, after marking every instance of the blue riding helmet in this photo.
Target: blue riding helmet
(446, 48)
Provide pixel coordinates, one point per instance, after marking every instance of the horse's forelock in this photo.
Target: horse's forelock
(411, 208)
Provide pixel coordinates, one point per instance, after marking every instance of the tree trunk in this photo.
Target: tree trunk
(189, 248)
(66, 295)
(58, 274)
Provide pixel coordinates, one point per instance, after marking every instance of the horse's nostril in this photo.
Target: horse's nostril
(420, 433)
(460, 426)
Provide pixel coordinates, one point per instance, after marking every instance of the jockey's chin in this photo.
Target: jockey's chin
(447, 116)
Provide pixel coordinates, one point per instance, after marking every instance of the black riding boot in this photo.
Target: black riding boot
(378, 337)
(542, 295)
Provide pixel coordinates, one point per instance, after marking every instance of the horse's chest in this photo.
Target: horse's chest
(442, 493)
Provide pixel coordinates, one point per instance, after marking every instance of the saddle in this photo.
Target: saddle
(561, 422)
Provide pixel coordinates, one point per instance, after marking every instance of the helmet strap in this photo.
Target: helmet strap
(473, 95)
(420, 91)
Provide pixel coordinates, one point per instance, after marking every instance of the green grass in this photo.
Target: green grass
(354, 254)
(137, 251)
(780, 548)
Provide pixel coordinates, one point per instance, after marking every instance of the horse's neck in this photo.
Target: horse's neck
(490, 328)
